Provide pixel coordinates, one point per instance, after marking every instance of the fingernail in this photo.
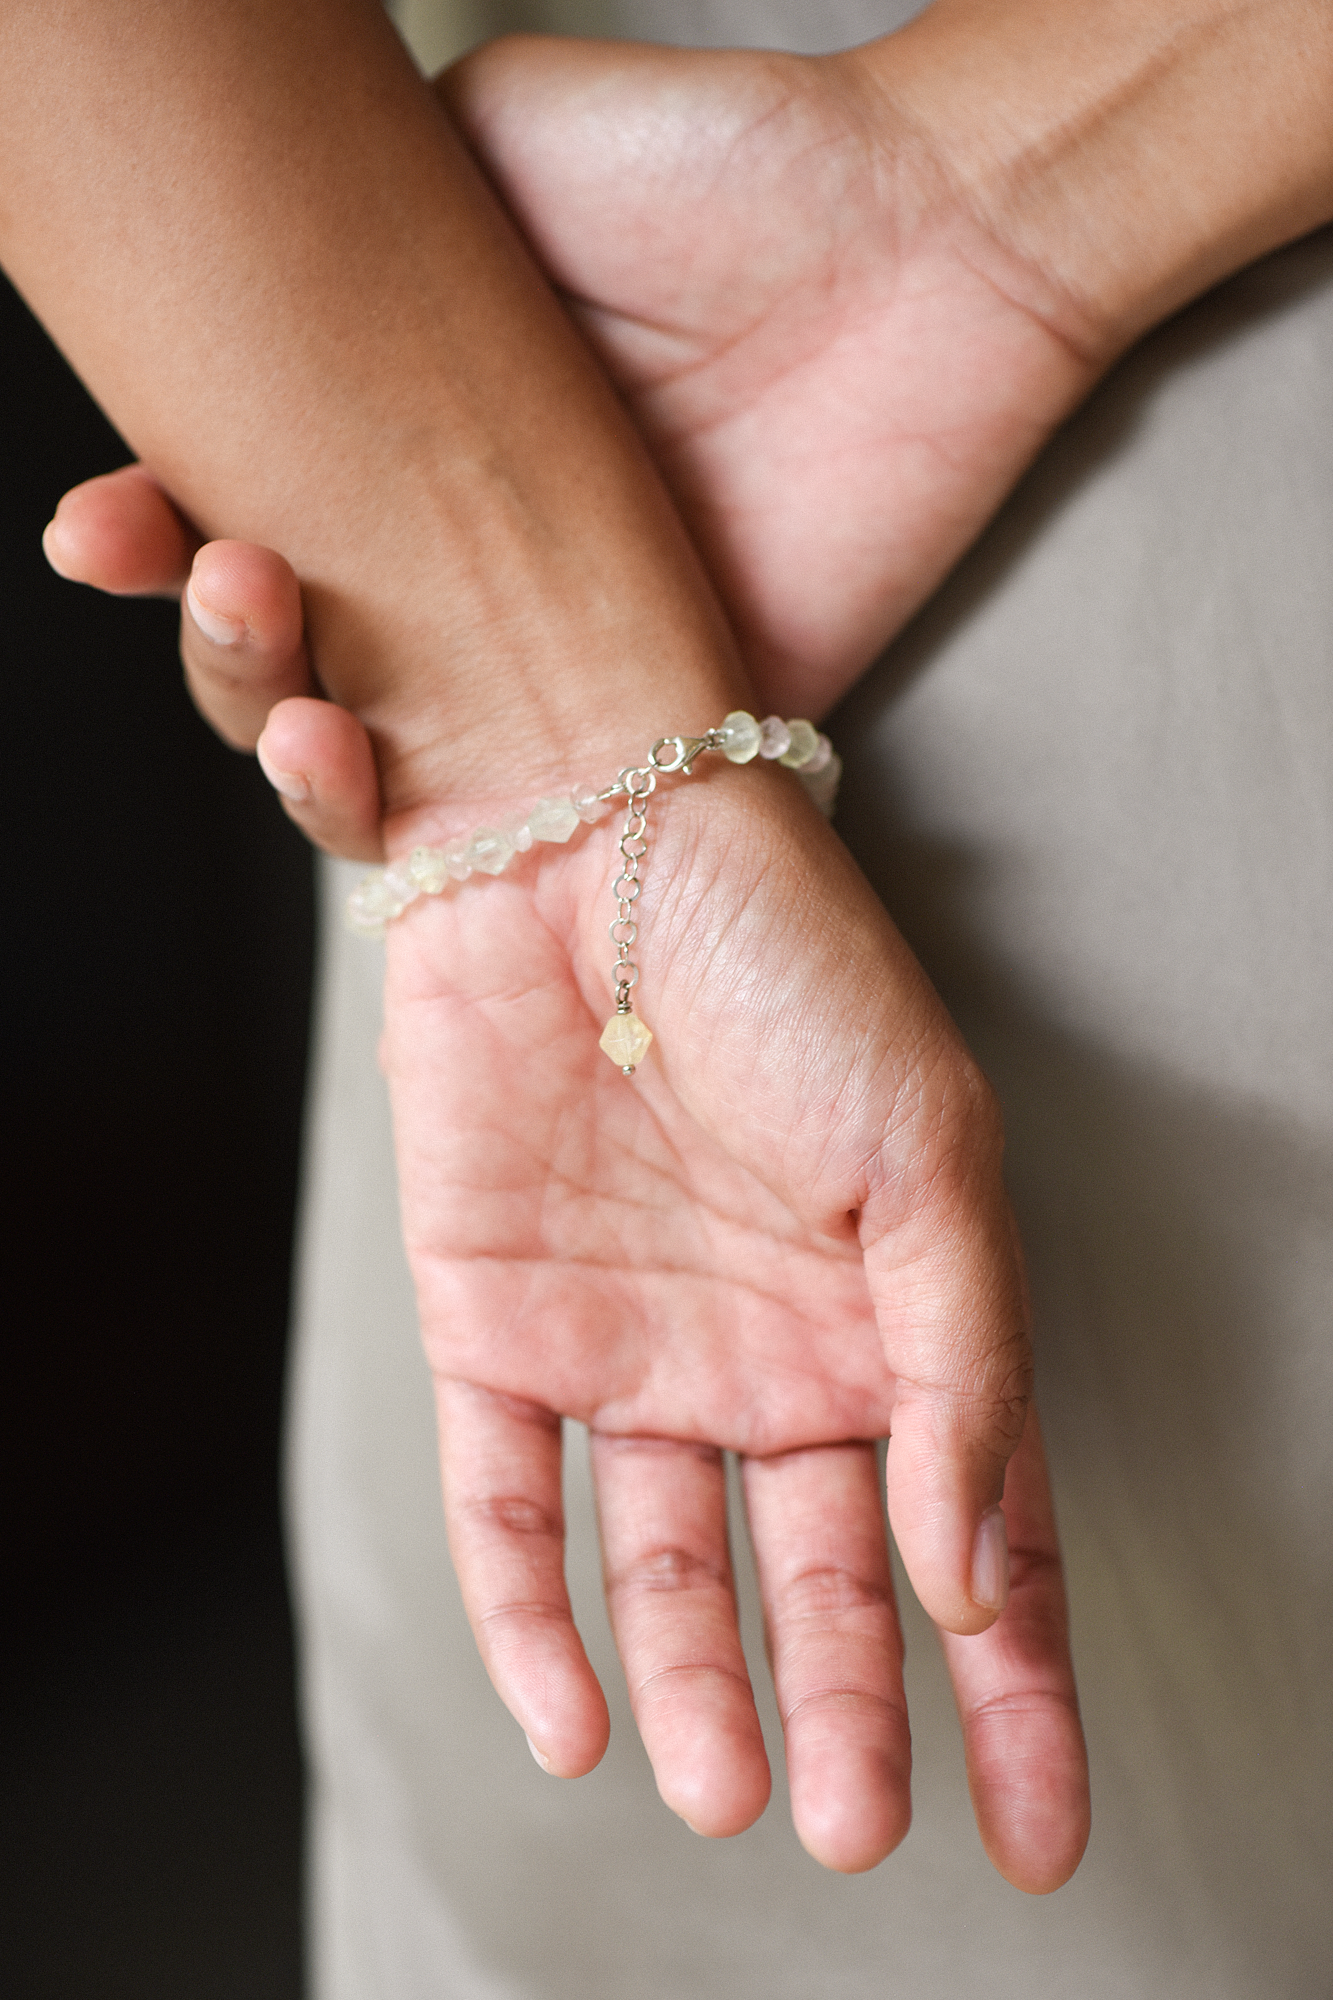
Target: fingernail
(990, 1562)
(51, 535)
(222, 631)
(292, 786)
(545, 1762)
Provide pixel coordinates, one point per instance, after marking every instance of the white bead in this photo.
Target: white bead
(740, 737)
(553, 819)
(818, 757)
(455, 859)
(399, 881)
(489, 850)
(428, 869)
(804, 737)
(519, 833)
(373, 903)
(774, 737)
(587, 805)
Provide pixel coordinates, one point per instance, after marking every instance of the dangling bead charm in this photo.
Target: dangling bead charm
(625, 1039)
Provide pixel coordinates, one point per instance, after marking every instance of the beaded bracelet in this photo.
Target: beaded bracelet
(427, 871)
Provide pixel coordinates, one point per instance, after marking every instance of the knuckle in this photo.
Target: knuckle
(828, 1591)
(1001, 1414)
(667, 1568)
(515, 1514)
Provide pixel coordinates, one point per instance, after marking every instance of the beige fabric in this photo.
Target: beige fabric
(1094, 784)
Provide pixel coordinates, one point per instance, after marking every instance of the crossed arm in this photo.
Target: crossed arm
(799, 1217)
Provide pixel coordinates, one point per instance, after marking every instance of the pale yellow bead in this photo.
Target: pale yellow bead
(428, 869)
(626, 1040)
(804, 742)
(740, 736)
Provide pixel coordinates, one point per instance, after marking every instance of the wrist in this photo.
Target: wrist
(1122, 158)
(431, 850)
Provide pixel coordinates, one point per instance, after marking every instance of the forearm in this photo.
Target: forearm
(1129, 153)
(256, 237)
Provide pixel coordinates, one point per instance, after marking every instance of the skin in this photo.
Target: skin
(749, 318)
(483, 546)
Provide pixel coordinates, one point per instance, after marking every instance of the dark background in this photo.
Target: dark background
(158, 916)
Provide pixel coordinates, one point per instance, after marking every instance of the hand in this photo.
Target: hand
(1014, 1684)
(786, 1236)
(840, 372)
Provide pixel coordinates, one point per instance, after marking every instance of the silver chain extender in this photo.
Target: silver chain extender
(624, 931)
(668, 755)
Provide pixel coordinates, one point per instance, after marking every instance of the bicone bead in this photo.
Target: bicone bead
(587, 805)
(625, 1040)
(428, 869)
(804, 737)
(400, 883)
(818, 757)
(489, 850)
(375, 902)
(519, 834)
(454, 855)
(553, 819)
(774, 737)
(740, 737)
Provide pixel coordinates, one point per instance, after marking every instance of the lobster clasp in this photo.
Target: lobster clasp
(680, 752)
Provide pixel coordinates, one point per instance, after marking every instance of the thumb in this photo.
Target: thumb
(950, 1298)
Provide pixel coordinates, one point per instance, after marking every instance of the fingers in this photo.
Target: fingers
(500, 1461)
(121, 533)
(1026, 1761)
(319, 760)
(242, 638)
(663, 1513)
(243, 646)
(950, 1298)
(836, 1648)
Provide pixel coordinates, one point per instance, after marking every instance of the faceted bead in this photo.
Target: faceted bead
(625, 1040)
(587, 805)
(818, 757)
(804, 737)
(428, 869)
(372, 904)
(740, 737)
(489, 850)
(553, 819)
(774, 737)
(519, 834)
(455, 859)
(400, 883)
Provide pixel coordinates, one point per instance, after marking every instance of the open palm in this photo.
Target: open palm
(787, 1237)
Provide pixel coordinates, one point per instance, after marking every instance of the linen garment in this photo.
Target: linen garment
(1093, 782)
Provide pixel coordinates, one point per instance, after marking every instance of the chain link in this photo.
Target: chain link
(668, 755)
(638, 787)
